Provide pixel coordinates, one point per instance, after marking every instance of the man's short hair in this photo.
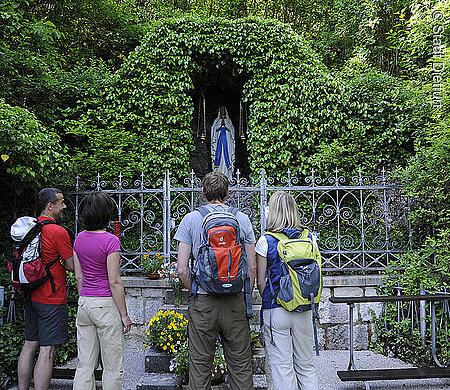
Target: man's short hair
(98, 209)
(46, 196)
(215, 186)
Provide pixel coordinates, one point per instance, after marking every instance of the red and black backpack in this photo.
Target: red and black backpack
(26, 267)
(221, 267)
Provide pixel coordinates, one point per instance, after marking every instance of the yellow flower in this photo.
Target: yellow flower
(4, 157)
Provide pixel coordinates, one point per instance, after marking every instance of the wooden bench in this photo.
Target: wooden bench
(69, 373)
(353, 374)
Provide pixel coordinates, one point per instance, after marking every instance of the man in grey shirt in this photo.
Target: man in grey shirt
(214, 315)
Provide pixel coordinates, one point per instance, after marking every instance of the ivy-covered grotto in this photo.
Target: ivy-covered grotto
(279, 96)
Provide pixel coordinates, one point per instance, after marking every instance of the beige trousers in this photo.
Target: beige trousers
(291, 358)
(99, 329)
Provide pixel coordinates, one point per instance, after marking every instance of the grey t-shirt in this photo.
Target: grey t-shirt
(190, 229)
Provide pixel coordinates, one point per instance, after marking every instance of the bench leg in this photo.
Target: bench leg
(351, 364)
(433, 335)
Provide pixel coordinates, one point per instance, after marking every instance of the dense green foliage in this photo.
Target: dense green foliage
(383, 117)
(428, 181)
(430, 270)
(30, 152)
(12, 333)
(300, 115)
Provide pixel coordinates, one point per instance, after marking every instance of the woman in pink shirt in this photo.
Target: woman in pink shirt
(102, 317)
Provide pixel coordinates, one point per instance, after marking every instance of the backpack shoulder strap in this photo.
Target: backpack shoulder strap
(278, 236)
(203, 210)
(233, 210)
(47, 222)
(305, 233)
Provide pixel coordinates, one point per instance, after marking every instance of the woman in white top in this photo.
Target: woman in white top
(289, 338)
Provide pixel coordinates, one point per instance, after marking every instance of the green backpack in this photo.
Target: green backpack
(301, 279)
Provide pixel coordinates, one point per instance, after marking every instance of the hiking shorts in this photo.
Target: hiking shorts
(46, 323)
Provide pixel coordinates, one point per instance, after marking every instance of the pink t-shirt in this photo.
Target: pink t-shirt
(92, 250)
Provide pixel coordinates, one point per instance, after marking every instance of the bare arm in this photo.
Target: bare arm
(78, 272)
(251, 265)
(117, 290)
(68, 263)
(184, 251)
(262, 266)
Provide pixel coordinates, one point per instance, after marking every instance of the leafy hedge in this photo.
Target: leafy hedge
(388, 116)
(31, 153)
(300, 114)
(410, 273)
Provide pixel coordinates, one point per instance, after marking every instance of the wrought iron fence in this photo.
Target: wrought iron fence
(362, 223)
(428, 321)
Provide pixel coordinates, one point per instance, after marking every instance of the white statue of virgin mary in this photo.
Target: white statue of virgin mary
(222, 143)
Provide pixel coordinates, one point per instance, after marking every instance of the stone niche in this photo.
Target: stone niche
(219, 86)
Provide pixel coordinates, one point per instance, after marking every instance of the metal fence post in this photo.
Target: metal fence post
(166, 217)
(423, 324)
(77, 189)
(263, 200)
(2, 301)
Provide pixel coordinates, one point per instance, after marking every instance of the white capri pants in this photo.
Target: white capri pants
(291, 359)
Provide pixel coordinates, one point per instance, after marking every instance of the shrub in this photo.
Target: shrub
(12, 336)
(31, 154)
(428, 269)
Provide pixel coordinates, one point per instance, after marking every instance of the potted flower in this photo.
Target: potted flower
(152, 265)
(167, 330)
(179, 365)
(169, 272)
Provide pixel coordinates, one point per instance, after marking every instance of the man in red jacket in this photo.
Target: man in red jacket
(46, 315)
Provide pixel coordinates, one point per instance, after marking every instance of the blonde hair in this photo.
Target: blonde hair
(283, 212)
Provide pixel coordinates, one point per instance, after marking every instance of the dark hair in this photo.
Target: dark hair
(215, 186)
(98, 210)
(46, 196)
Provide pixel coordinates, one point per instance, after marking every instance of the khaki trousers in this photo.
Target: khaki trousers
(291, 358)
(99, 329)
(209, 317)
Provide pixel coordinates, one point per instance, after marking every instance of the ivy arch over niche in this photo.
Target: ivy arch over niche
(292, 99)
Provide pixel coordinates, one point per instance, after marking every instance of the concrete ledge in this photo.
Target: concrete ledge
(352, 281)
(143, 282)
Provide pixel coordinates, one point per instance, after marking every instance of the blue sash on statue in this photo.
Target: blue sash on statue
(222, 147)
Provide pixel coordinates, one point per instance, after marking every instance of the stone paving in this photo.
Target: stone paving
(328, 363)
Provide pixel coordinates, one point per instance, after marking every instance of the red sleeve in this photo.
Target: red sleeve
(62, 243)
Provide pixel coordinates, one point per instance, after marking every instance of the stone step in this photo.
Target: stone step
(158, 362)
(259, 383)
(185, 297)
(158, 381)
(171, 382)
